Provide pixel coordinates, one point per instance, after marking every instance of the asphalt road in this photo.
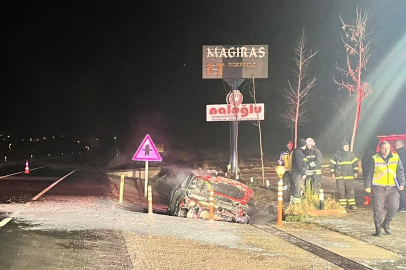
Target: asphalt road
(62, 215)
(51, 181)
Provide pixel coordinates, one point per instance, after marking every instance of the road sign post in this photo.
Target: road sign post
(147, 151)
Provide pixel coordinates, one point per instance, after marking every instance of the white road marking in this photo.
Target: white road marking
(14, 214)
(4, 221)
(51, 186)
(4, 176)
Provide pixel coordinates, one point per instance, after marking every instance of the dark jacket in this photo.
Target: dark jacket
(402, 155)
(344, 165)
(368, 176)
(299, 165)
(313, 157)
(366, 162)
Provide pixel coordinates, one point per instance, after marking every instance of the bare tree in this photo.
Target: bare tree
(357, 48)
(297, 93)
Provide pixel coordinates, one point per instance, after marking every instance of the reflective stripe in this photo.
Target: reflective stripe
(346, 163)
(351, 201)
(296, 200)
(343, 201)
(385, 173)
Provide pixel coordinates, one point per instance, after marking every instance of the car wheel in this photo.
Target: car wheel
(182, 212)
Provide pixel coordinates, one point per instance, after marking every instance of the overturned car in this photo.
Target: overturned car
(191, 198)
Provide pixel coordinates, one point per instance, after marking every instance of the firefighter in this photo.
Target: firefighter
(285, 159)
(344, 169)
(298, 171)
(400, 147)
(313, 159)
(383, 178)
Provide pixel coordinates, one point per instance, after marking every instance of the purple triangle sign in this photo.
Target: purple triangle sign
(147, 151)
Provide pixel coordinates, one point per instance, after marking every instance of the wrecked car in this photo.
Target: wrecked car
(191, 199)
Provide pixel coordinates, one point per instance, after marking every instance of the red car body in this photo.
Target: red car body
(191, 198)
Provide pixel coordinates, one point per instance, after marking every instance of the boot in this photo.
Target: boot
(385, 226)
(377, 229)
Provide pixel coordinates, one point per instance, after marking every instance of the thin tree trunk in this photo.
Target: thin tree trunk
(354, 131)
(260, 132)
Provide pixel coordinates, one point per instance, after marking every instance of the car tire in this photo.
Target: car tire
(182, 212)
(179, 212)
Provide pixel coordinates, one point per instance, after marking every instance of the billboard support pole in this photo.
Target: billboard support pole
(233, 164)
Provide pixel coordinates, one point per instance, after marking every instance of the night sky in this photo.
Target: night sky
(128, 68)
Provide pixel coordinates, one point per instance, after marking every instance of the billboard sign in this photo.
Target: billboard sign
(235, 61)
(227, 112)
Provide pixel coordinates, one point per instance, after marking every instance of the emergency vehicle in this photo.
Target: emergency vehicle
(391, 139)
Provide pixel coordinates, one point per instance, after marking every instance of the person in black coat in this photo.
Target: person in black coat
(400, 148)
(366, 161)
(344, 169)
(299, 167)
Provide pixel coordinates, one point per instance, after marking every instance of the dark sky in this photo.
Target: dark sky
(128, 68)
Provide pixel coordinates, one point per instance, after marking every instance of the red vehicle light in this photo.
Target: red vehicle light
(391, 139)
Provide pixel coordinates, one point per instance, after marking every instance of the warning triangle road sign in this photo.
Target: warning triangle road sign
(147, 151)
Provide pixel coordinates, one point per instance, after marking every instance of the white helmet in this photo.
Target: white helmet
(310, 142)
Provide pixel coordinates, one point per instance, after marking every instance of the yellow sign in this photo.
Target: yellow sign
(280, 170)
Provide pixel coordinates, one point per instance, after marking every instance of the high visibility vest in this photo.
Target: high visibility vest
(286, 158)
(385, 173)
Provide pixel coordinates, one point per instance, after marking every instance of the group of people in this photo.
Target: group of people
(383, 175)
(302, 169)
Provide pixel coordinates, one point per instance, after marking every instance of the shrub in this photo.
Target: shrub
(310, 201)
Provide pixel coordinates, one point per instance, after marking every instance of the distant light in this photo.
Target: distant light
(115, 138)
(30, 139)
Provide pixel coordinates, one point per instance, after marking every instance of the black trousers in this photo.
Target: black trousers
(402, 194)
(385, 198)
(287, 185)
(315, 182)
(345, 190)
(298, 184)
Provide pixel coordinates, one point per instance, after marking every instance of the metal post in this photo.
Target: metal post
(211, 204)
(234, 138)
(234, 84)
(146, 178)
(121, 189)
(321, 197)
(150, 200)
(280, 201)
(234, 147)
